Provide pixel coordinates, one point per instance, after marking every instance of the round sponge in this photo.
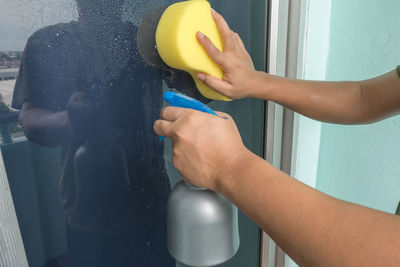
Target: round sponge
(178, 46)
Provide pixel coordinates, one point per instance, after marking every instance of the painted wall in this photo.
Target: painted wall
(316, 15)
(312, 66)
(350, 40)
(361, 163)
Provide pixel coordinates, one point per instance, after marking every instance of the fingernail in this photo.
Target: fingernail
(201, 76)
(213, 11)
(200, 34)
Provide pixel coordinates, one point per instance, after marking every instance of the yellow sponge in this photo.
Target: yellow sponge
(178, 46)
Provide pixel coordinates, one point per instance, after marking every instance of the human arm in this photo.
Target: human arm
(352, 102)
(85, 117)
(44, 127)
(313, 228)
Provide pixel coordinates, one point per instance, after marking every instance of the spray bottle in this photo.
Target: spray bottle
(202, 225)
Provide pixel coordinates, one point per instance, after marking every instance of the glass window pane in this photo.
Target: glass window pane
(89, 179)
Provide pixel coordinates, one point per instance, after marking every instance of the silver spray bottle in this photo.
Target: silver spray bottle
(202, 224)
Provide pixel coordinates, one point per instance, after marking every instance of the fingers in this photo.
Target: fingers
(228, 35)
(228, 38)
(171, 114)
(163, 128)
(225, 31)
(223, 115)
(217, 84)
(165, 125)
(240, 41)
(215, 54)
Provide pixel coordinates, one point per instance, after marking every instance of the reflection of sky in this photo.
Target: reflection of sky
(21, 18)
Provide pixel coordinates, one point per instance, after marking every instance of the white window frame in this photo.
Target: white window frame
(285, 57)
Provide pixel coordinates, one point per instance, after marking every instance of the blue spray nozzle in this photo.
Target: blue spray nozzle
(168, 96)
(183, 101)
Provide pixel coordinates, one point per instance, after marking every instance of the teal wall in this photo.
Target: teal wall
(350, 40)
(313, 67)
(362, 163)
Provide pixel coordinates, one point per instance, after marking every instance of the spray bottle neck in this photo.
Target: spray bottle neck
(193, 187)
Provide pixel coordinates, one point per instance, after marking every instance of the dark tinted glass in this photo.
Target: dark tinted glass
(88, 177)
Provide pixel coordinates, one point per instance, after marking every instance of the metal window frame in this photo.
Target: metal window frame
(286, 37)
(12, 251)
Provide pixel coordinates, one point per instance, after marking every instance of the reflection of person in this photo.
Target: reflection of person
(84, 87)
(313, 228)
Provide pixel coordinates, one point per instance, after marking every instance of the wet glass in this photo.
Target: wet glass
(89, 179)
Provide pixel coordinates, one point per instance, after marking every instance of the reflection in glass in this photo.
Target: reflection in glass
(87, 103)
(83, 86)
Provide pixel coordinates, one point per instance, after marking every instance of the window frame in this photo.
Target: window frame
(287, 22)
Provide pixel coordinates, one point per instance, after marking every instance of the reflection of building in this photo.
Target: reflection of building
(7, 83)
(9, 67)
(8, 117)
(9, 60)
(8, 74)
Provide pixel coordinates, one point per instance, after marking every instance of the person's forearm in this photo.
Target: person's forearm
(313, 228)
(45, 127)
(336, 102)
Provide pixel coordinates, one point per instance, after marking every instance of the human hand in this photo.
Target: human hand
(236, 63)
(87, 115)
(206, 148)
